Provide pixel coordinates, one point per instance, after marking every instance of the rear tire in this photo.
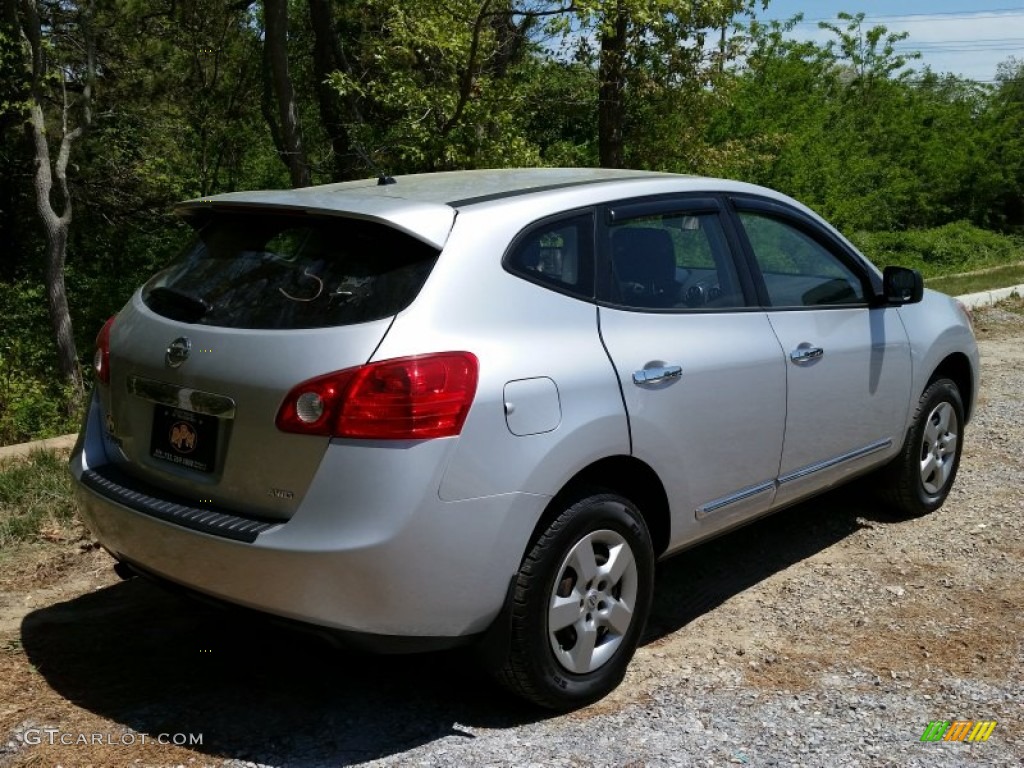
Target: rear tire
(918, 480)
(579, 604)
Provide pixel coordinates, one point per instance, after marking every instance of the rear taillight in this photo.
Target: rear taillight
(101, 358)
(409, 398)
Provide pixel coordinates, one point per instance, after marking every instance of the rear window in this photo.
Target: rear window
(283, 270)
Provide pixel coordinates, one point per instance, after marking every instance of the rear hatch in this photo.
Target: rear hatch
(264, 298)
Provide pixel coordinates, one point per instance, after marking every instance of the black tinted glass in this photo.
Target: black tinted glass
(558, 254)
(673, 261)
(274, 270)
(798, 271)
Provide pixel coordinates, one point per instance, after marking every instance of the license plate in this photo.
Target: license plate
(184, 438)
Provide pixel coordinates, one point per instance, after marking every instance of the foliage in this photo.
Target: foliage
(36, 500)
(33, 402)
(563, 121)
(1001, 176)
(427, 97)
(984, 280)
(949, 249)
(912, 162)
(847, 128)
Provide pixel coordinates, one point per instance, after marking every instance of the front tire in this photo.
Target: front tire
(579, 604)
(919, 479)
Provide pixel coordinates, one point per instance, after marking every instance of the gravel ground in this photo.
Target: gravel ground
(828, 634)
(840, 657)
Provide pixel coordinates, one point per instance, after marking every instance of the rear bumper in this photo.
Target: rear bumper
(365, 553)
(379, 644)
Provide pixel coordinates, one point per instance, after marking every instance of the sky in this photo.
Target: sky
(957, 36)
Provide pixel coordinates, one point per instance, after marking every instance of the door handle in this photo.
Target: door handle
(806, 354)
(654, 375)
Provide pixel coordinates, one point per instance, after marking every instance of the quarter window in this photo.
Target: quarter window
(558, 254)
(798, 271)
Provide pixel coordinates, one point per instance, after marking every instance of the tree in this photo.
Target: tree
(429, 86)
(612, 87)
(286, 129)
(652, 51)
(60, 79)
(849, 129)
(1004, 125)
(329, 56)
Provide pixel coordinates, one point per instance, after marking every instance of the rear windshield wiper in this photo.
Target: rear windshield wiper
(178, 305)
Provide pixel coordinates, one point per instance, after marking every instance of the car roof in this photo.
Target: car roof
(425, 205)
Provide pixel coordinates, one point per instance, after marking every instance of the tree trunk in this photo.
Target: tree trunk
(612, 72)
(510, 38)
(468, 77)
(57, 225)
(328, 58)
(275, 20)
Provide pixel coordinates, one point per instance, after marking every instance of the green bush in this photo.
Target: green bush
(34, 403)
(946, 250)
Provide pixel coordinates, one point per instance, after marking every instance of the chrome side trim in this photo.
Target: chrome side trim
(713, 506)
(810, 469)
(188, 399)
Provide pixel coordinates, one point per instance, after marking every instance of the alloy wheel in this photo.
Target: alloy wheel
(592, 602)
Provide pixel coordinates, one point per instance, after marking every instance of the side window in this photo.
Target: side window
(798, 271)
(673, 261)
(558, 254)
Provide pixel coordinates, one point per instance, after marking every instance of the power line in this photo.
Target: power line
(922, 18)
(956, 48)
(940, 48)
(993, 40)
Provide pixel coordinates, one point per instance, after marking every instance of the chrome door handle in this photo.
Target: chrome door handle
(654, 375)
(806, 354)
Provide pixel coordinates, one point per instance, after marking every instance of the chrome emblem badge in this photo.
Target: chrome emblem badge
(177, 352)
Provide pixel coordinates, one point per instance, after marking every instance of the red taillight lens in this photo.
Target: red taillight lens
(101, 358)
(409, 398)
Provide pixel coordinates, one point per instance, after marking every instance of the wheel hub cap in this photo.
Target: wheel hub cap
(592, 602)
(938, 448)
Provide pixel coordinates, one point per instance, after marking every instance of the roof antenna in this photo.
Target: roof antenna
(383, 179)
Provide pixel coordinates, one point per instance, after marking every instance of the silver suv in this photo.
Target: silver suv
(479, 406)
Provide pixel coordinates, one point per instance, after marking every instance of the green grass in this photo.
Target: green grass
(36, 500)
(952, 249)
(998, 277)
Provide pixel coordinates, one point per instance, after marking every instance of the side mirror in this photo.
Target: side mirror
(902, 286)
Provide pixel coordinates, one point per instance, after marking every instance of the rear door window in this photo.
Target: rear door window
(672, 260)
(282, 270)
